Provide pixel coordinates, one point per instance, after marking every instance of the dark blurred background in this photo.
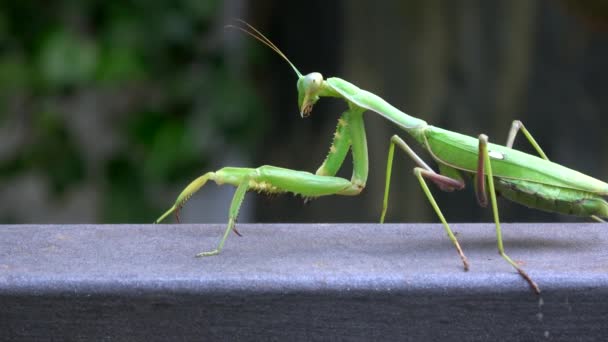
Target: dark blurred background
(109, 108)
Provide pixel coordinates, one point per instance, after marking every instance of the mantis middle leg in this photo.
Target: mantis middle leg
(421, 172)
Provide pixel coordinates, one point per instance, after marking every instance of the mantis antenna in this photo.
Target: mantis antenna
(253, 32)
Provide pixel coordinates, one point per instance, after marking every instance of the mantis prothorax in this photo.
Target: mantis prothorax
(520, 177)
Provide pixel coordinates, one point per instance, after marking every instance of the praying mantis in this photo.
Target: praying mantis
(494, 169)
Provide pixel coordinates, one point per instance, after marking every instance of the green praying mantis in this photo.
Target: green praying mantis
(527, 179)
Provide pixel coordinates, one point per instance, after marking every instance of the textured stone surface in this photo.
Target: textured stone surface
(298, 281)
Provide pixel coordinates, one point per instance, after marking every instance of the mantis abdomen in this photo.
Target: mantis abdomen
(551, 198)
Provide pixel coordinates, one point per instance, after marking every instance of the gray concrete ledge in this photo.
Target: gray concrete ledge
(301, 282)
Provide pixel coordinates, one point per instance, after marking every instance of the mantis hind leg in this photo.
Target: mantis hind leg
(516, 126)
(486, 168)
(267, 179)
(424, 171)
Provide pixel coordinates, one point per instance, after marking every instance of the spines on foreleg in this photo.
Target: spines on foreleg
(338, 149)
(186, 194)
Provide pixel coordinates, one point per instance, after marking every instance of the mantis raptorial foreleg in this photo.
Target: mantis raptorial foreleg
(350, 133)
(267, 179)
(235, 206)
(338, 149)
(270, 179)
(486, 173)
(424, 171)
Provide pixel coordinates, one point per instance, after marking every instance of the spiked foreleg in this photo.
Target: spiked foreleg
(185, 195)
(338, 149)
(264, 179)
(350, 133)
(233, 213)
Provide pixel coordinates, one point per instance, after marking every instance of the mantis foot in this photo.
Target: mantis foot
(531, 282)
(210, 253)
(465, 262)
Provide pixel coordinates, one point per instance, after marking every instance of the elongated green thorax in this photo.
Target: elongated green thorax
(372, 102)
(312, 86)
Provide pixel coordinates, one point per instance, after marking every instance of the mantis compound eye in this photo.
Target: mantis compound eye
(314, 81)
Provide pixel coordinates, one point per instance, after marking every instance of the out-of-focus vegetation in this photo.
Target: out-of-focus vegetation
(104, 101)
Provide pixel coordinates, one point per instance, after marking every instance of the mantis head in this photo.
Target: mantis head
(309, 86)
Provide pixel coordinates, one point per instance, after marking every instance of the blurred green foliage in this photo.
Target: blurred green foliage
(127, 97)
